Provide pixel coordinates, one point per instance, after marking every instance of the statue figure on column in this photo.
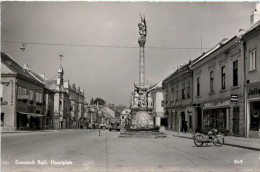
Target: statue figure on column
(142, 28)
(150, 100)
(136, 98)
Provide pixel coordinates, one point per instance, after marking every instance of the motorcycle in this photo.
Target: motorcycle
(211, 136)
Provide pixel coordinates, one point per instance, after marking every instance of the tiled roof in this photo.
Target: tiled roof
(15, 67)
(254, 26)
(220, 44)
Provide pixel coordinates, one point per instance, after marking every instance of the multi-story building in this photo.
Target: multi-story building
(76, 97)
(62, 117)
(86, 115)
(251, 47)
(21, 97)
(156, 93)
(218, 84)
(48, 99)
(178, 98)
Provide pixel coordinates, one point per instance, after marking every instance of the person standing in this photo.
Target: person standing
(185, 127)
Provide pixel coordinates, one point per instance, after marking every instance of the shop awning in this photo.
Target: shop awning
(31, 114)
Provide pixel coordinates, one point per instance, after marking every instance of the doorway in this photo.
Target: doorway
(199, 122)
(182, 121)
(164, 122)
(235, 128)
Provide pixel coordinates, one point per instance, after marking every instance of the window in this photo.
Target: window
(37, 97)
(31, 95)
(162, 103)
(252, 60)
(1, 90)
(188, 89)
(24, 91)
(223, 78)
(235, 73)
(211, 81)
(40, 97)
(183, 90)
(20, 91)
(176, 92)
(172, 96)
(198, 86)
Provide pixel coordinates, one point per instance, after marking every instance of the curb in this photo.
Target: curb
(40, 131)
(227, 144)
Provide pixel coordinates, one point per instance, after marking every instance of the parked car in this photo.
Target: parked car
(114, 124)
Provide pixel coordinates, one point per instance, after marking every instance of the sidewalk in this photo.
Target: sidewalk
(241, 142)
(27, 131)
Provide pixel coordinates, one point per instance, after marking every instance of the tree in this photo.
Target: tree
(100, 101)
(91, 101)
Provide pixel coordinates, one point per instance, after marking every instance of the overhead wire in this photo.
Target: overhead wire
(98, 46)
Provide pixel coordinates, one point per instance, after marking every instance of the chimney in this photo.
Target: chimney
(27, 67)
(43, 75)
(255, 16)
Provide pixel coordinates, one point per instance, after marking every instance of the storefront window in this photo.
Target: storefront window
(214, 118)
(255, 115)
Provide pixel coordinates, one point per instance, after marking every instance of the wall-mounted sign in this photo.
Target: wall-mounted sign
(234, 97)
(253, 91)
(217, 104)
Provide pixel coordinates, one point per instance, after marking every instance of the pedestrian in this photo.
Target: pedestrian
(185, 127)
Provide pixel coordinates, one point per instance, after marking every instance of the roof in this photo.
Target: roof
(38, 77)
(126, 111)
(16, 68)
(204, 55)
(251, 28)
(156, 86)
(178, 71)
(108, 112)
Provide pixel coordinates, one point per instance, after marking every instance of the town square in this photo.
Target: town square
(144, 86)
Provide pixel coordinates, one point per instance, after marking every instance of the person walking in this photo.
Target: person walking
(185, 127)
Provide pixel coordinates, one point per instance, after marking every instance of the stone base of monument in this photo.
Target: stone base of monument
(141, 134)
(142, 125)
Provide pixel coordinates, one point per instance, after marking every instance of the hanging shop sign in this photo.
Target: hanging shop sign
(234, 97)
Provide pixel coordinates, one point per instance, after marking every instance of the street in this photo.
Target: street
(85, 150)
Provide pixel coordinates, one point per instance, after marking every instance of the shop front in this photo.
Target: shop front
(216, 115)
(253, 110)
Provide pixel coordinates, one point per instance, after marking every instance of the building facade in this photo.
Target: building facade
(251, 43)
(76, 97)
(156, 92)
(218, 83)
(178, 98)
(21, 97)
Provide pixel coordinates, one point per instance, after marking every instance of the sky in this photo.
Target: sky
(110, 72)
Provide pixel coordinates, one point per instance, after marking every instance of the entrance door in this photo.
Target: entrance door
(235, 121)
(199, 122)
(2, 120)
(182, 121)
(164, 122)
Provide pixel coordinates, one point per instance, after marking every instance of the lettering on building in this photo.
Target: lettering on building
(253, 91)
(216, 104)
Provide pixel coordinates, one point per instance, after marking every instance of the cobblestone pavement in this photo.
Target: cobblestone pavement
(85, 150)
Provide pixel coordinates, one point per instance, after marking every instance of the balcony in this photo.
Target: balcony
(23, 98)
